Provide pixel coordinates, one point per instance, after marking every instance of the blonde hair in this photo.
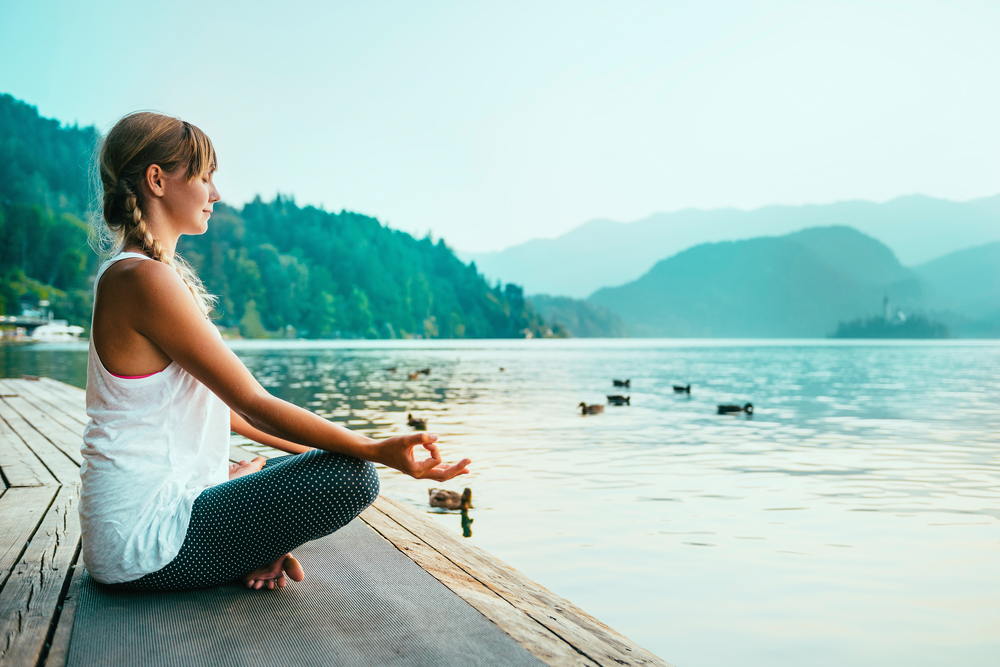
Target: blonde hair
(135, 142)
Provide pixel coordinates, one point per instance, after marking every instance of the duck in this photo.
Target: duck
(502, 369)
(419, 424)
(414, 376)
(391, 370)
(727, 409)
(450, 500)
(681, 389)
(590, 409)
(619, 400)
(425, 371)
(621, 383)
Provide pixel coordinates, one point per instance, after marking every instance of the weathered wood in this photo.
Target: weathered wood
(21, 510)
(48, 398)
(72, 391)
(534, 637)
(74, 427)
(59, 651)
(585, 633)
(20, 465)
(66, 440)
(56, 462)
(29, 599)
(51, 404)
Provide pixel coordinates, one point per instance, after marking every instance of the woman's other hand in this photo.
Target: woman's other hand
(399, 453)
(244, 468)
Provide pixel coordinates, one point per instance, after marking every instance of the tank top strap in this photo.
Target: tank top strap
(117, 258)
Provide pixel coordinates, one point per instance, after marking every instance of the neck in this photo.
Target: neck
(168, 249)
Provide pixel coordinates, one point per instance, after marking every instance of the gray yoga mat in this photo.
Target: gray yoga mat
(363, 603)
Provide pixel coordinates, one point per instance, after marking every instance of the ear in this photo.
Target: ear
(155, 178)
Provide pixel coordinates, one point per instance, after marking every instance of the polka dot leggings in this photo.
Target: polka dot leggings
(248, 522)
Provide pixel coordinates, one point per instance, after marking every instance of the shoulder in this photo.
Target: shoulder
(148, 281)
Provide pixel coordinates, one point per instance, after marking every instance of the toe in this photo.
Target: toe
(293, 568)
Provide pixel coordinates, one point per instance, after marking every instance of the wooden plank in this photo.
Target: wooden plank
(534, 637)
(64, 469)
(28, 602)
(21, 510)
(66, 440)
(74, 427)
(585, 633)
(45, 402)
(20, 465)
(59, 651)
(48, 399)
(72, 391)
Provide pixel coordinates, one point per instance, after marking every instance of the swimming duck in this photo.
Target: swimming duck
(619, 400)
(450, 500)
(621, 383)
(414, 376)
(425, 371)
(727, 409)
(590, 409)
(681, 390)
(419, 424)
(391, 370)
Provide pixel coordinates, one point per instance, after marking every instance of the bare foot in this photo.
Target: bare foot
(273, 574)
(244, 468)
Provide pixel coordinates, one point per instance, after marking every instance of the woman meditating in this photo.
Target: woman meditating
(160, 506)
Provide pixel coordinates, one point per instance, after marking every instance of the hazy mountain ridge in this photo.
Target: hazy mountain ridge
(969, 278)
(603, 253)
(581, 318)
(798, 285)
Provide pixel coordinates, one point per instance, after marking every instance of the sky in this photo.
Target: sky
(489, 124)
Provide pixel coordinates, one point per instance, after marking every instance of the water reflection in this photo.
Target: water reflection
(466, 523)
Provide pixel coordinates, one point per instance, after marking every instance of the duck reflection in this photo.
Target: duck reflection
(466, 524)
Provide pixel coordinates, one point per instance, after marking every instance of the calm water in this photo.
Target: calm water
(853, 519)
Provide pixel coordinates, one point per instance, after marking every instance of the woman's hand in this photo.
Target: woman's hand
(244, 468)
(398, 453)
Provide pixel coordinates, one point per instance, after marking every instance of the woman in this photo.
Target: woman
(160, 507)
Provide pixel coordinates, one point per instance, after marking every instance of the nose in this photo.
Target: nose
(213, 195)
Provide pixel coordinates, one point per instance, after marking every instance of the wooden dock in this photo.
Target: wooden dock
(41, 425)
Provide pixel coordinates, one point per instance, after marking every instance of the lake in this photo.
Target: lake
(854, 518)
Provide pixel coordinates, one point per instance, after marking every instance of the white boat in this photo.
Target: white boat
(57, 331)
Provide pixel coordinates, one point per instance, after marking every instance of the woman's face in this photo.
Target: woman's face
(188, 203)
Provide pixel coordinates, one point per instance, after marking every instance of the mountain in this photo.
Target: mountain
(579, 318)
(43, 197)
(970, 278)
(603, 253)
(41, 161)
(277, 267)
(798, 285)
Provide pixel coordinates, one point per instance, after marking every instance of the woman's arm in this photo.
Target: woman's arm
(239, 425)
(170, 319)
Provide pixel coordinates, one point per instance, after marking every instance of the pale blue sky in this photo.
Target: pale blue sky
(493, 123)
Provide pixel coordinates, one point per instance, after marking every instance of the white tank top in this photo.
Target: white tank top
(152, 445)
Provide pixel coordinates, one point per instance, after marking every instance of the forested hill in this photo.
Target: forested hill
(321, 272)
(277, 267)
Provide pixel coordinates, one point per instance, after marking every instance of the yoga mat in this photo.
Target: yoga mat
(362, 603)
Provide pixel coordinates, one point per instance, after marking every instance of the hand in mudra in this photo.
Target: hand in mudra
(399, 453)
